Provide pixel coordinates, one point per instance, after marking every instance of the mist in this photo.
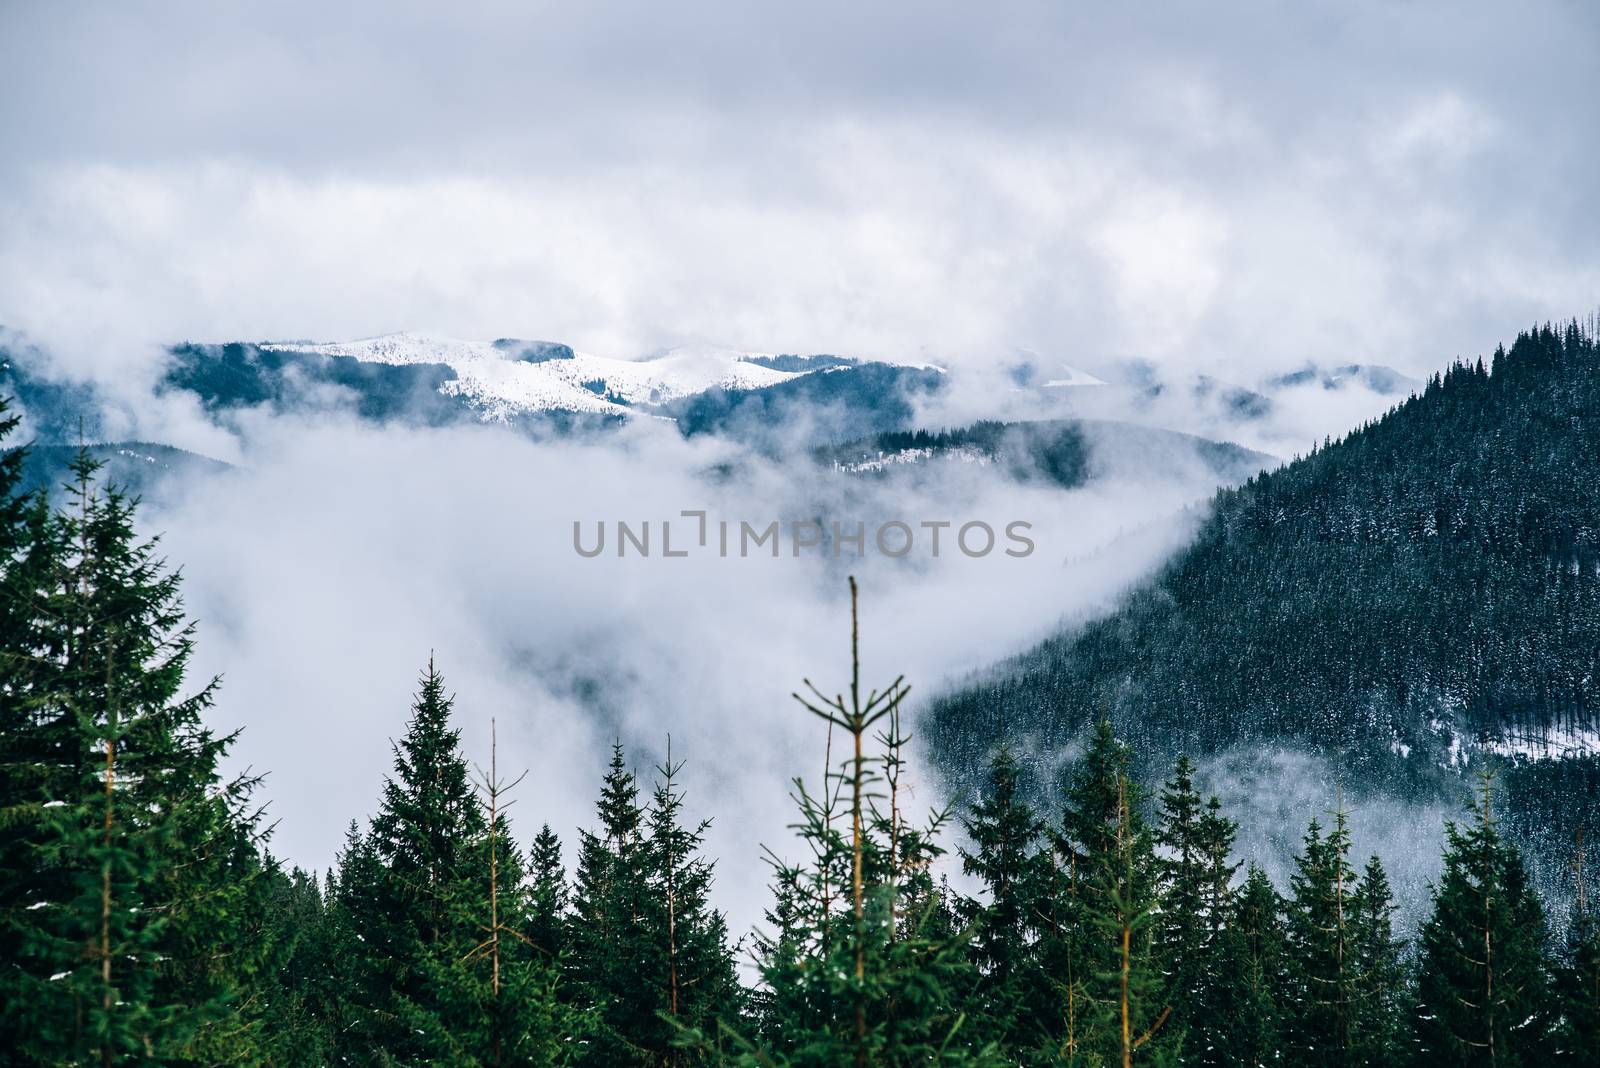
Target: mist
(337, 557)
(1233, 191)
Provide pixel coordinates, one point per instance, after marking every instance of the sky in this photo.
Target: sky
(1232, 189)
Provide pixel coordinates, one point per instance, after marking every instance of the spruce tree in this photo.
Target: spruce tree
(549, 895)
(1012, 994)
(1251, 1013)
(131, 859)
(697, 985)
(853, 977)
(1183, 932)
(613, 959)
(1578, 976)
(1207, 1034)
(298, 976)
(14, 538)
(354, 1001)
(422, 841)
(433, 900)
(1115, 966)
(1322, 958)
(1483, 994)
(1380, 981)
(27, 551)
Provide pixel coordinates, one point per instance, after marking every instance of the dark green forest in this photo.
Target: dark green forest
(1059, 452)
(1429, 582)
(144, 918)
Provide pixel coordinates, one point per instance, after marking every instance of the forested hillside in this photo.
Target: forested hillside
(1062, 452)
(1414, 596)
(144, 920)
(141, 469)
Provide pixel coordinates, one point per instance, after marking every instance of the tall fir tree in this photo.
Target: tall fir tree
(1381, 988)
(1115, 968)
(1207, 1032)
(14, 510)
(1322, 958)
(136, 858)
(1012, 995)
(1252, 1014)
(25, 749)
(1578, 973)
(300, 975)
(1183, 932)
(856, 973)
(433, 898)
(1483, 992)
(697, 984)
(613, 957)
(547, 919)
(353, 1000)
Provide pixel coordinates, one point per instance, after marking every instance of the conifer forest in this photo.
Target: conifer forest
(145, 918)
(907, 534)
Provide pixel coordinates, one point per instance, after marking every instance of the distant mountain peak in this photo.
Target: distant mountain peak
(508, 377)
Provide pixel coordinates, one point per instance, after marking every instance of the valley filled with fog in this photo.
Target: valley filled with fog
(327, 554)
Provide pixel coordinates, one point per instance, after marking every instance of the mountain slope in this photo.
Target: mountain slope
(535, 384)
(834, 404)
(508, 377)
(1061, 452)
(1418, 596)
(138, 468)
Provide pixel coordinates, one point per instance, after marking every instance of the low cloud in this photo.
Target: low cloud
(338, 557)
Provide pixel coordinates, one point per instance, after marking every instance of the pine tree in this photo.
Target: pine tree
(1251, 1013)
(1482, 989)
(1012, 992)
(699, 988)
(550, 896)
(135, 858)
(1183, 932)
(1207, 1033)
(613, 958)
(1322, 959)
(1115, 970)
(852, 977)
(432, 902)
(1380, 987)
(1578, 978)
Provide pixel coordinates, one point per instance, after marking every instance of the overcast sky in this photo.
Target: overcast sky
(1233, 187)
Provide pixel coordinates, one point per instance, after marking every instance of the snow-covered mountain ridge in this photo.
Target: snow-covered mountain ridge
(503, 378)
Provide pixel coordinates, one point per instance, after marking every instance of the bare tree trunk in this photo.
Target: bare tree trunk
(1125, 924)
(494, 884)
(859, 728)
(1488, 927)
(492, 787)
(672, 900)
(857, 717)
(106, 996)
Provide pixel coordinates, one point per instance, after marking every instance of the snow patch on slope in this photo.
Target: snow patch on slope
(885, 460)
(1552, 743)
(1070, 376)
(492, 378)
